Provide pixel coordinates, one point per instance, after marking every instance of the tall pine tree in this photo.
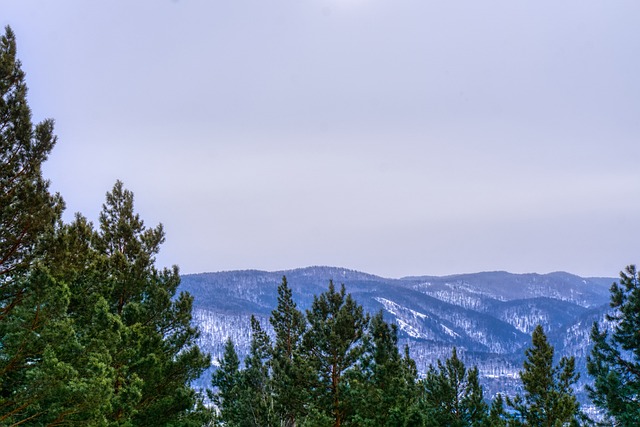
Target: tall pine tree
(615, 359)
(29, 212)
(383, 386)
(157, 358)
(257, 394)
(289, 368)
(91, 333)
(549, 400)
(38, 380)
(227, 387)
(333, 344)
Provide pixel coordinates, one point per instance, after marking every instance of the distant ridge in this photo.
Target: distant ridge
(488, 316)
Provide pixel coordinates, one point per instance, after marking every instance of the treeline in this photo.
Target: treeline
(93, 334)
(336, 366)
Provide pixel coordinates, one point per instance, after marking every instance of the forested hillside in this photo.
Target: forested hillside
(489, 317)
(336, 365)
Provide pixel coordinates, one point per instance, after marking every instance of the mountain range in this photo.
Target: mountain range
(487, 316)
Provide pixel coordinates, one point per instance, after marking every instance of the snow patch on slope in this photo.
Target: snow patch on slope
(394, 308)
(408, 320)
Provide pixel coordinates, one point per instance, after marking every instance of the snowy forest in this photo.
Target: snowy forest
(92, 333)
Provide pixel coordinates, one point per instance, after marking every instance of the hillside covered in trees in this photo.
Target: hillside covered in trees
(489, 317)
(337, 366)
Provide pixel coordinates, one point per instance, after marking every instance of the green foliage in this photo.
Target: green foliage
(452, 395)
(615, 358)
(227, 381)
(497, 415)
(383, 386)
(157, 358)
(39, 378)
(333, 346)
(325, 374)
(91, 333)
(29, 212)
(548, 400)
(257, 396)
(289, 368)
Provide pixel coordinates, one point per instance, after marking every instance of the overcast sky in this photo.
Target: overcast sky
(396, 137)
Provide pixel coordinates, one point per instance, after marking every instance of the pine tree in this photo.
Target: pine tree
(288, 366)
(39, 381)
(413, 417)
(497, 415)
(333, 344)
(97, 331)
(452, 395)
(29, 212)
(256, 386)
(91, 333)
(226, 381)
(383, 385)
(39, 378)
(473, 401)
(157, 358)
(548, 400)
(615, 358)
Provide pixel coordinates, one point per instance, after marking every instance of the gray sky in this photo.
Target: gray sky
(397, 137)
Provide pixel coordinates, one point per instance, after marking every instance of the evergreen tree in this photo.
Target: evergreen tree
(91, 333)
(39, 378)
(615, 358)
(40, 382)
(548, 400)
(226, 381)
(477, 409)
(333, 345)
(452, 395)
(413, 416)
(256, 387)
(29, 212)
(157, 358)
(98, 332)
(384, 383)
(290, 374)
(497, 415)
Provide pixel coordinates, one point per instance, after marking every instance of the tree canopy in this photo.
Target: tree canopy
(91, 332)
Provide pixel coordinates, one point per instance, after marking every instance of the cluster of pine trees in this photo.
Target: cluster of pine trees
(336, 366)
(93, 334)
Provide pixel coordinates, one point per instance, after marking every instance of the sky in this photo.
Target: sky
(396, 137)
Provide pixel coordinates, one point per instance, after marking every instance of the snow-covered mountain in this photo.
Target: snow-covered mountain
(488, 316)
